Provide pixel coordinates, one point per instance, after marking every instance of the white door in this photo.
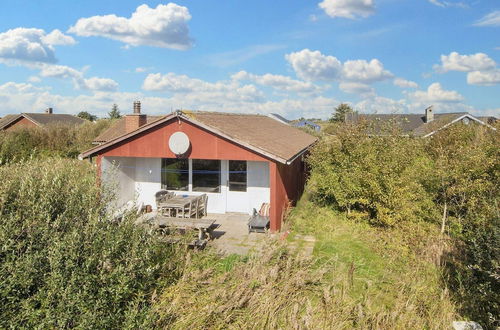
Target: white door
(236, 187)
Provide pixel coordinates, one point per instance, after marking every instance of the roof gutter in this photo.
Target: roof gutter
(300, 153)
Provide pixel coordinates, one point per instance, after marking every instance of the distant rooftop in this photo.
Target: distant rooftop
(41, 119)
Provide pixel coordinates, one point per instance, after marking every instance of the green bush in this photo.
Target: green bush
(451, 179)
(63, 263)
(381, 177)
(58, 140)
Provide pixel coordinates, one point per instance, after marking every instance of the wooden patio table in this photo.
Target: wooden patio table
(177, 203)
(202, 225)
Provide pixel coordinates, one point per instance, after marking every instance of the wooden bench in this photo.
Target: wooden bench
(204, 226)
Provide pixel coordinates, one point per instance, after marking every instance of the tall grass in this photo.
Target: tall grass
(63, 263)
(358, 277)
(56, 140)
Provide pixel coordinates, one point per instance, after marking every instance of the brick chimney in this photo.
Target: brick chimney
(136, 119)
(48, 111)
(429, 114)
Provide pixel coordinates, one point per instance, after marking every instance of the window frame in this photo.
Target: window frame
(194, 174)
(230, 182)
(163, 174)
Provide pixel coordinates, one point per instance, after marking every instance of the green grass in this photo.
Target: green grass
(358, 276)
(374, 261)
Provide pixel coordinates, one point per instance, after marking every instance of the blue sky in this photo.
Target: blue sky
(295, 58)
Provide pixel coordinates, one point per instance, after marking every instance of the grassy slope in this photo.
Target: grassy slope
(358, 276)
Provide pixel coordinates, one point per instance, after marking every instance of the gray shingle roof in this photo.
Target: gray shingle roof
(408, 124)
(8, 119)
(46, 118)
(42, 119)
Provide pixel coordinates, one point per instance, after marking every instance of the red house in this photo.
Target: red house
(240, 161)
(11, 122)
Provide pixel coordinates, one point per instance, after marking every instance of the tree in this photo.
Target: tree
(87, 116)
(340, 113)
(114, 113)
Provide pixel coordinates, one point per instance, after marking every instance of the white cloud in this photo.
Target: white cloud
(196, 88)
(491, 19)
(56, 37)
(379, 104)
(365, 72)
(486, 112)
(164, 26)
(403, 83)
(312, 65)
(172, 82)
(465, 63)
(15, 96)
(31, 45)
(79, 81)
(355, 75)
(348, 8)
(411, 104)
(482, 70)
(20, 88)
(142, 69)
(357, 88)
(435, 93)
(59, 71)
(25, 96)
(99, 84)
(485, 78)
(34, 79)
(278, 82)
(444, 4)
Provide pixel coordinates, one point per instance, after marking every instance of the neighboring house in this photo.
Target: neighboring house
(279, 118)
(308, 124)
(240, 161)
(10, 122)
(299, 123)
(415, 124)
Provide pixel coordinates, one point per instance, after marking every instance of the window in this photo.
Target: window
(174, 174)
(237, 175)
(206, 175)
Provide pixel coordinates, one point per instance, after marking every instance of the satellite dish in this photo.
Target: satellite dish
(178, 143)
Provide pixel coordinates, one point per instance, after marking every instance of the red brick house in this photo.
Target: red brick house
(24, 119)
(240, 161)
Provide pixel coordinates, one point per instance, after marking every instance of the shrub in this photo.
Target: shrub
(59, 140)
(379, 176)
(63, 264)
(451, 179)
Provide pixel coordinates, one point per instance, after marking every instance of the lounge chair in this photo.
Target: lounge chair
(259, 221)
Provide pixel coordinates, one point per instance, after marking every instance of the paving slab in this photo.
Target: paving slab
(231, 235)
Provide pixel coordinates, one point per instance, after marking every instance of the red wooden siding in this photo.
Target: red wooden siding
(287, 184)
(204, 144)
(286, 181)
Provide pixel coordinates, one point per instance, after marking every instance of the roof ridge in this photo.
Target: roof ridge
(187, 112)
